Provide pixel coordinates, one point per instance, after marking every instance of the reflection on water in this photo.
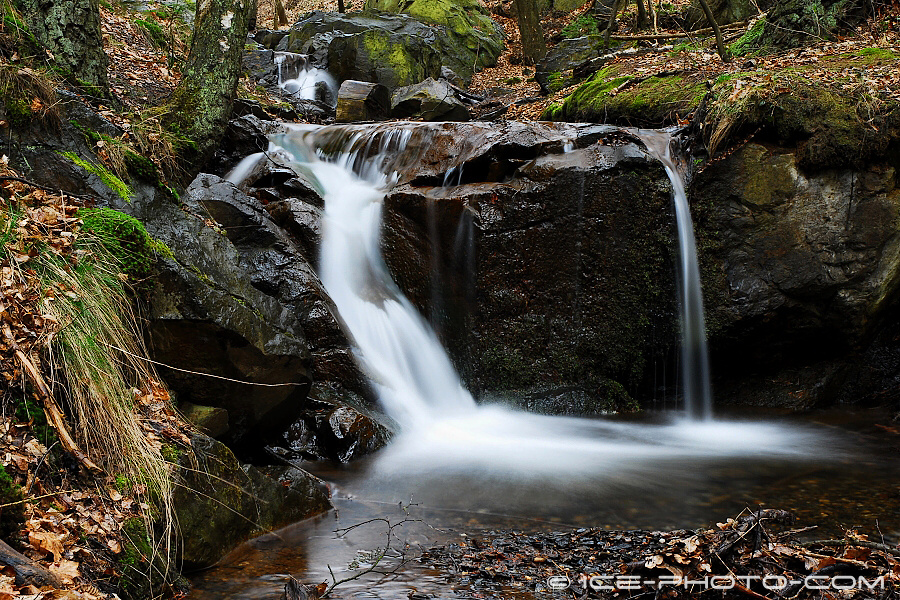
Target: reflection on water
(650, 479)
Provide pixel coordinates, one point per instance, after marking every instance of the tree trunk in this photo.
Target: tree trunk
(611, 24)
(641, 14)
(280, 14)
(201, 104)
(70, 30)
(720, 42)
(534, 47)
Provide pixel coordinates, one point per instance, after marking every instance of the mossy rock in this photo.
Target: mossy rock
(829, 129)
(219, 503)
(475, 40)
(609, 97)
(124, 237)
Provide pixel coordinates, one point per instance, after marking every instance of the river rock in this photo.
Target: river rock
(220, 503)
(809, 261)
(361, 101)
(430, 100)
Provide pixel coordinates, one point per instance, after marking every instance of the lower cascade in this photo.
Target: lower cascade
(442, 429)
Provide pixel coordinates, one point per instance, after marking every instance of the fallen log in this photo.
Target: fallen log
(27, 571)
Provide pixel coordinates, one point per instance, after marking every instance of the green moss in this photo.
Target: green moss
(124, 237)
(123, 483)
(171, 453)
(136, 560)
(27, 410)
(109, 180)
(395, 56)
(154, 31)
(12, 516)
(828, 128)
(557, 80)
(749, 43)
(609, 98)
(584, 25)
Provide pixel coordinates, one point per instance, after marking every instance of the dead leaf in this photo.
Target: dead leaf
(67, 570)
(48, 542)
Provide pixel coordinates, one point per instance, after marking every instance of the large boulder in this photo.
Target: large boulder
(808, 262)
(568, 253)
(474, 40)
(391, 49)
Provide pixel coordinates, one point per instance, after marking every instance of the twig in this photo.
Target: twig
(379, 555)
(33, 498)
(860, 543)
(161, 364)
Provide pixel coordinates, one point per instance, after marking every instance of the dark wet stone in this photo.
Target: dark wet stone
(430, 100)
(221, 503)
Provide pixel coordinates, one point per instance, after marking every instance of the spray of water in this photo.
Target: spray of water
(443, 430)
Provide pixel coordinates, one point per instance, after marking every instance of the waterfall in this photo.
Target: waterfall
(414, 377)
(442, 428)
(296, 76)
(694, 357)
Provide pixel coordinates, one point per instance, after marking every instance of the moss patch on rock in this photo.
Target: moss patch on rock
(124, 237)
(830, 128)
(109, 180)
(609, 97)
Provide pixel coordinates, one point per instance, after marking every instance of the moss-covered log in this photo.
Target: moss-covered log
(70, 30)
(202, 102)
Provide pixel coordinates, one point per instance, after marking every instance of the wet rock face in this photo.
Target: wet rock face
(551, 269)
(809, 262)
(220, 503)
(336, 425)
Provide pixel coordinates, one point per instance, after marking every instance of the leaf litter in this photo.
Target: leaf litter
(73, 521)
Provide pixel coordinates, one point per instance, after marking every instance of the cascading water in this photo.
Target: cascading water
(442, 428)
(296, 76)
(694, 357)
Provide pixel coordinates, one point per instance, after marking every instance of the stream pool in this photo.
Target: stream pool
(853, 481)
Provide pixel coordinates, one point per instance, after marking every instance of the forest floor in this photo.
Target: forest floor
(752, 556)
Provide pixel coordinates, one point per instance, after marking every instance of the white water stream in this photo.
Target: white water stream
(694, 356)
(442, 428)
